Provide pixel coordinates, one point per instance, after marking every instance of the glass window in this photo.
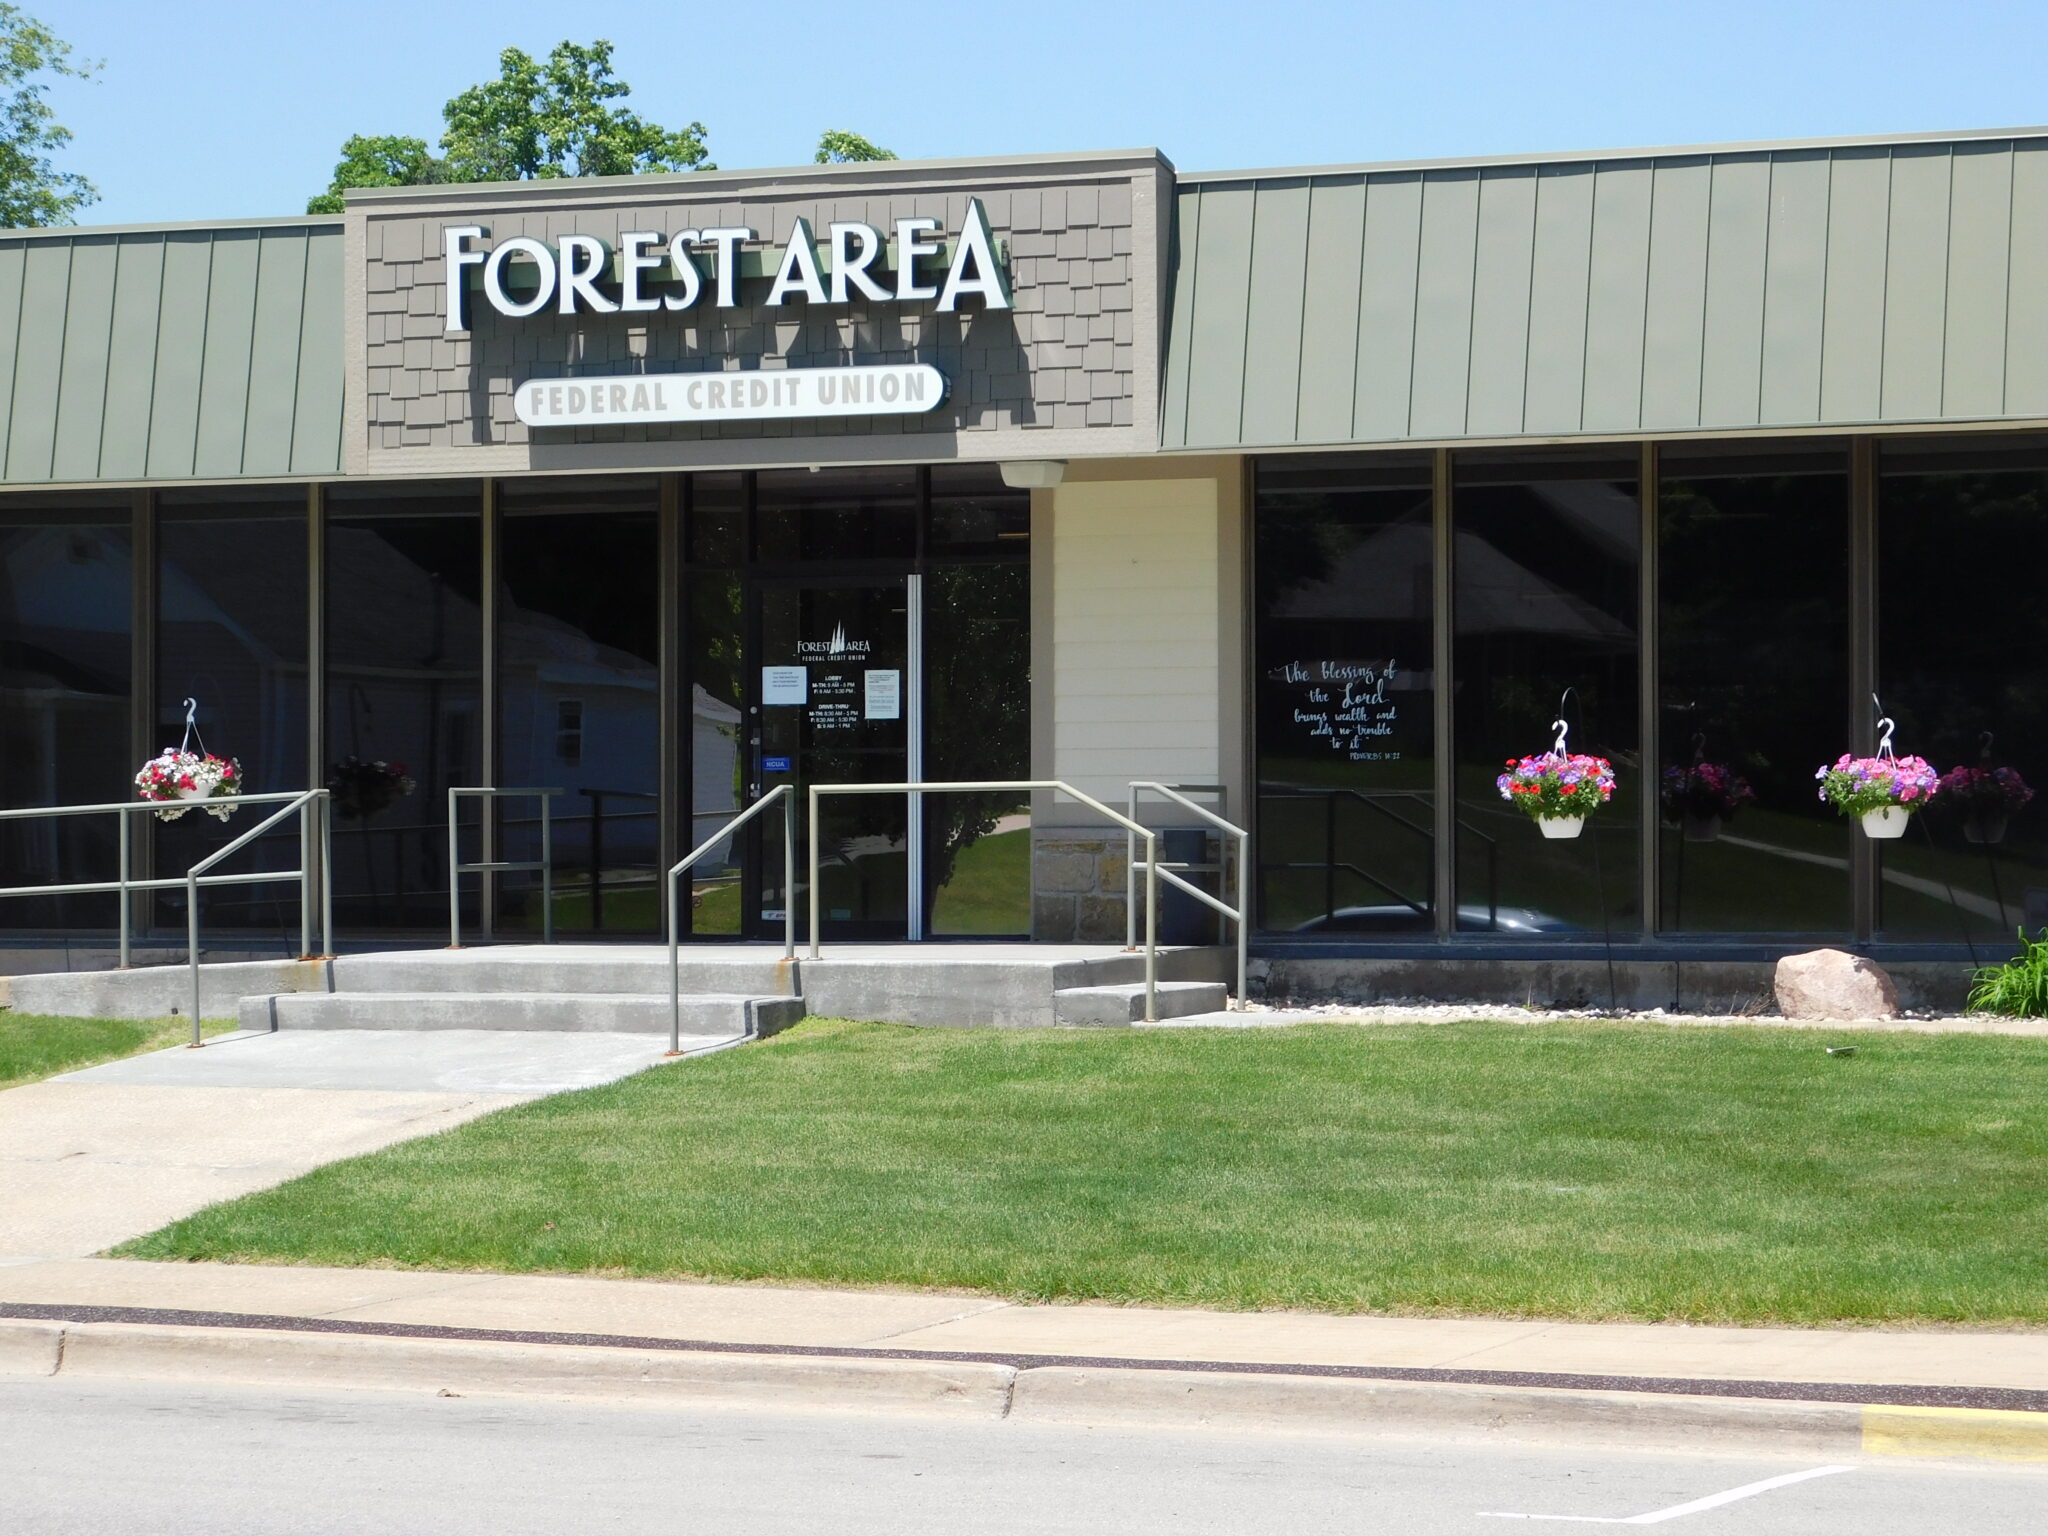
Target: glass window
(973, 512)
(66, 592)
(1344, 695)
(1545, 567)
(714, 518)
(231, 635)
(579, 689)
(1960, 671)
(1753, 581)
(977, 725)
(718, 761)
(835, 514)
(404, 573)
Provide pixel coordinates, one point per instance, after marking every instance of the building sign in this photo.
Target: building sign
(655, 273)
(1345, 707)
(763, 394)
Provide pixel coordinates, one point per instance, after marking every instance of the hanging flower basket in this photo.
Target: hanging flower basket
(1882, 792)
(362, 790)
(1557, 790)
(1987, 797)
(180, 778)
(1703, 798)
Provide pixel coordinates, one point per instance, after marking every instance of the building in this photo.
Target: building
(1325, 486)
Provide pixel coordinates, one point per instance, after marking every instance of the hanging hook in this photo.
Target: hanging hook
(1558, 725)
(1984, 740)
(1885, 726)
(1699, 748)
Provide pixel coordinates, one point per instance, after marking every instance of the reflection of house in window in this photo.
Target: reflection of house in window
(569, 731)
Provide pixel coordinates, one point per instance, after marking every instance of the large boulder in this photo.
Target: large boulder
(1828, 984)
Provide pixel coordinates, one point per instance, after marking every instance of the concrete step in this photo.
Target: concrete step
(713, 1015)
(1124, 1003)
(580, 968)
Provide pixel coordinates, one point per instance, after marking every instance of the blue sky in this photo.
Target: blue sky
(213, 109)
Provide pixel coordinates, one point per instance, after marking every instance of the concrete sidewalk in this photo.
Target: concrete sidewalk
(800, 1318)
(95, 1157)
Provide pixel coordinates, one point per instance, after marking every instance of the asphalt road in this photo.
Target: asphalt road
(80, 1458)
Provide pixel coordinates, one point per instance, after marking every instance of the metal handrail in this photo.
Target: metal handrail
(193, 881)
(545, 864)
(987, 786)
(675, 941)
(292, 800)
(1237, 914)
(1329, 795)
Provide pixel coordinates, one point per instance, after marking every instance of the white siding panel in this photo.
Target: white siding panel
(1137, 644)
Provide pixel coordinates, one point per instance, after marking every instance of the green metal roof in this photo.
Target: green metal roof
(175, 353)
(1753, 287)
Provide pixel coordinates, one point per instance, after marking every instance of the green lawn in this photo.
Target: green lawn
(1583, 1171)
(34, 1045)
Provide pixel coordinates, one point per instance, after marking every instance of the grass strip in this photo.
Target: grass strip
(34, 1046)
(1590, 1171)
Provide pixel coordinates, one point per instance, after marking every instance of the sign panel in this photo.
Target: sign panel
(884, 694)
(763, 394)
(784, 685)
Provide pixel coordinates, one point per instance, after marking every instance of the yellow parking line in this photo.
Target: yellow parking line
(1994, 1434)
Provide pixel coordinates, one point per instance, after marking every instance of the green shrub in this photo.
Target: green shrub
(2019, 988)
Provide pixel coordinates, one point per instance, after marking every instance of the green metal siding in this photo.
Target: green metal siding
(1718, 290)
(171, 354)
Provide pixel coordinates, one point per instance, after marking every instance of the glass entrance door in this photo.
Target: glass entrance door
(831, 706)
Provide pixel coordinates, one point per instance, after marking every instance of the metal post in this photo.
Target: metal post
(125, 914)
(675, 971)
(913, 717)
(788, 868)
(1244, 908)
(327, 875)
(1131, 874)
(192, 947)
(306, 881)
(1442, 647)
(813, 892)
(454, 880)
(1649, 722)
(547, 874)
(1151, 927)
(1866, 861)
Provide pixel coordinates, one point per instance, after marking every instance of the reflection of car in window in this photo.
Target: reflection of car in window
(1392, 917)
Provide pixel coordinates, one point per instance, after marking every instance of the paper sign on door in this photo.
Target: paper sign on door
(784, 685)
(885, 695)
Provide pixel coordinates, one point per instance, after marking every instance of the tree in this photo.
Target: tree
(836, 147)
(32, 191)
(386, 160)
(536, 121)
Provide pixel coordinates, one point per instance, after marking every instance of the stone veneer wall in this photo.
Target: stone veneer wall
(1077, 888)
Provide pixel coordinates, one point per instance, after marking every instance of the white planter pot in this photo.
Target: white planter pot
(199, 792)
(1886, 821)
(1561, 826)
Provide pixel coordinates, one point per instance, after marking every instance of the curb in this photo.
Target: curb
(1033, 1393)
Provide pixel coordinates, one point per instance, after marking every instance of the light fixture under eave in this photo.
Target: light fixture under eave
(1033, 474)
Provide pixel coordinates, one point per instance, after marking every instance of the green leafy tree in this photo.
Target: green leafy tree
(385, 160)
(838, 148)
(538, 120)
(32, 191)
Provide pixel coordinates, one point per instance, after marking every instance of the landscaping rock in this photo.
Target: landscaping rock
(1828, 984)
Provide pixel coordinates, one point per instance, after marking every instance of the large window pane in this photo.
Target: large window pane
(719, 759)
(579, 679)
(1961, 648)
(835, 514)
(231, 634)
(977, 649)
(1545, 568)
(65, 596)
(1343, 696)
(1753, 576)
(404, 651)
